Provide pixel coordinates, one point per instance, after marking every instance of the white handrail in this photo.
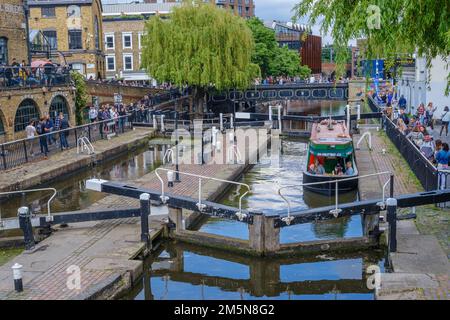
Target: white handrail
(164, 199)
(288, 219)
(49, 215)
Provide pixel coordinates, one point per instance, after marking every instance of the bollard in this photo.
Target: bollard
(231, 122)
(25, 224)
(221, 122)
(162, 124)
(391, 205)
(170, 179)
(155, 123)
(145, 212)
(17, 276)
(279, 119)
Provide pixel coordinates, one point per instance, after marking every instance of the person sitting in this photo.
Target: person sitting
(338, 170)
(319, 169)
(349, 169)
(312, 169)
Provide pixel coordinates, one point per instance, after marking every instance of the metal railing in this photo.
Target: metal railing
(29, 77)
(19, 152)
(336, 210)
(241, 215)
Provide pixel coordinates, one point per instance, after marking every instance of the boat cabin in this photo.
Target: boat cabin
(332, 147)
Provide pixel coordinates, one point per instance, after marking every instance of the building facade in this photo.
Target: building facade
(73, 29)
(13, 33)
(243, 8)
(123, 28)
(298, 37)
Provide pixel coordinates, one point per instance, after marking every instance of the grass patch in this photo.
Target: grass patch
(8, 254)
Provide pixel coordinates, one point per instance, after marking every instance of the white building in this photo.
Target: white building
(414, 85)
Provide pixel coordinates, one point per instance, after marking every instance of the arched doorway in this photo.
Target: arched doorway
(26, 112)
(59, 104)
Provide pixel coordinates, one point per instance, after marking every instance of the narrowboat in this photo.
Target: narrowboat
(331, 157)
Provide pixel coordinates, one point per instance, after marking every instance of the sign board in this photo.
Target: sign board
(243, 115)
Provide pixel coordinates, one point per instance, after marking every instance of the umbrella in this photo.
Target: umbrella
(37, 63)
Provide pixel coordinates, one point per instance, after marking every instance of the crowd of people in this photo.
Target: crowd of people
(281, 80)
(23, 75)
(43, 128)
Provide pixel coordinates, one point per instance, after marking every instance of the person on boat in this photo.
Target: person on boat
(338, 170)
(349, 170)
(312, 169)
(318, 168)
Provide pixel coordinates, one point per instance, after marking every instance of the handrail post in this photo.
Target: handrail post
(392, 220)
(3, 156)
(25, 150)
(391, 192)
(145, 212)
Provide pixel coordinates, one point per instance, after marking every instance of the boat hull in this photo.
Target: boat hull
(329, 189)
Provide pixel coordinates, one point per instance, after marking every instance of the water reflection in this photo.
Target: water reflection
(72, 194)
(182, 271)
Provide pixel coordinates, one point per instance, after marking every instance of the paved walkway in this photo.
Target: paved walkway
(420, 261)
(103, 250)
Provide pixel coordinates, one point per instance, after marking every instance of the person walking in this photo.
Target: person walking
(445, 121)
(429, 115)
(31, 133)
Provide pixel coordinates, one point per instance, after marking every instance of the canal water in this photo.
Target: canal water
(190, 272)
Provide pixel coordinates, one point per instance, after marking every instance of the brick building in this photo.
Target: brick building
(244, 8)
(13, 43)
(298, 37)
(73, 29)
(123, 27)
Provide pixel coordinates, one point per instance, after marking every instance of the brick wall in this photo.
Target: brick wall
(12, 27)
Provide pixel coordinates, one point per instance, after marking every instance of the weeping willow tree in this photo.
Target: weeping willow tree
(201, 46)
(392, 27)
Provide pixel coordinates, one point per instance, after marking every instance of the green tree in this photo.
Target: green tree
(201, 46)
(273, 60)
(391, 27)
(288, 63)
(81, 95)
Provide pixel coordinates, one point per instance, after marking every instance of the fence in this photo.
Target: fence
(423, 168)
(16, 153)
(28, 77)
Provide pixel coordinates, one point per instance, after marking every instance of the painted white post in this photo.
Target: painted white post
(162, 123)
(221, 121)
(358, 117)
(214, 136)
(279, 118)
(348, 117)
(231, 122)
(155, 122)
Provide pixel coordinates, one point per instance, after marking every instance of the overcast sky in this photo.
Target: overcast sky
(282, 10)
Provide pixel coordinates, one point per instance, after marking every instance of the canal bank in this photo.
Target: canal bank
(67, 162)
(420, 267)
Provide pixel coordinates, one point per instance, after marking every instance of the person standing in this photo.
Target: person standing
(40, 129)
(93, 114)
(402, 102)
(63, 125)
(445, 121)
(429, 115)
(50, 127)
(31, 133)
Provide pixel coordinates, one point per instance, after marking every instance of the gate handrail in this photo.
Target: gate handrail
(288, 219)
(49, 216)
(164, 199)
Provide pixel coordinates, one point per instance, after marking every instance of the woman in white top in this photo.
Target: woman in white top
(31, 133)
(445, 121)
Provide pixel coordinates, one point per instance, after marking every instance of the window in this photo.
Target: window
(128, 62)
(79, 67)
(26, 112)
(110, 63)
(109, 41)
(126, 41)
(3, 50)
(75, 40)
(96, 34)
(48, 12)
(52, 41)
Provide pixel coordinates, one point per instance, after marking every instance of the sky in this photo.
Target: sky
(282, 10)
